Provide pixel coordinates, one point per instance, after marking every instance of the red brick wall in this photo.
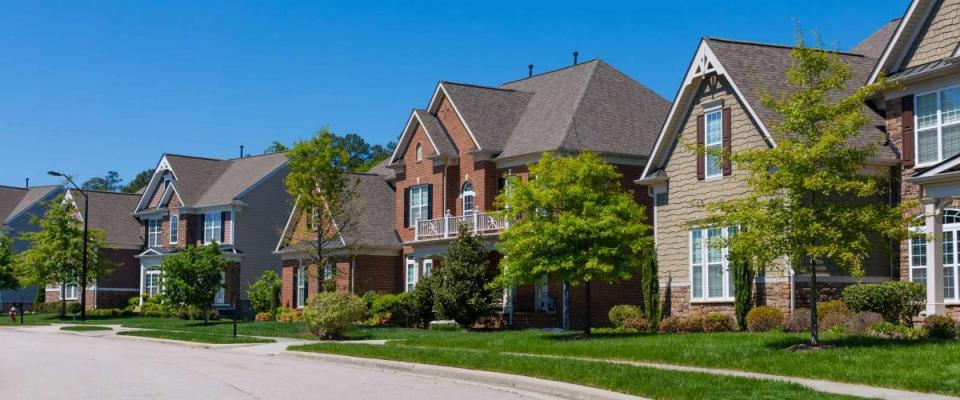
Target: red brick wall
(381, 274)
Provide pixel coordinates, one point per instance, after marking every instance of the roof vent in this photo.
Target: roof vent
(530, 70)
(28, 183)
(241, 151)
(575, 54)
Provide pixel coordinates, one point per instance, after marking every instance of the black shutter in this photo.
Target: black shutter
(700, 143)
(200, 228)
(223, 226)
(906, 131)
(406, 207)
(501, 183)
(146, 233)
(295, 285)
(727, 142)
(429, 201)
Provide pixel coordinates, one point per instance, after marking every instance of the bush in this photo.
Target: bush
(764, 319)
(264, 294)
(330, 314)
(290, 316)
(636, 325)
(799, 321)
(73, 308)
(446, 325)
(717, 322)
(858, 324)
(834, 321)
(940, 327)
(832, 307)
(109, 312)
(897, 301)
(461, 284)
(671, 324)
(890, 330)
(692, 324)
(620, 314)
(421, 300)
(263, 316)
(393, 309)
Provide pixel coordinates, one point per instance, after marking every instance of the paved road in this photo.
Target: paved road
(36, 365)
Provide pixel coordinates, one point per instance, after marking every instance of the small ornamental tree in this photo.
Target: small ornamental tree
(572, 222)
(650, 282)
(8, 277)
(743, 276)
(264, 294)
(794, 206)
(193, 277)
(461, 290)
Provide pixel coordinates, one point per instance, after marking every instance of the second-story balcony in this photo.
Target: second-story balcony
(480, 223)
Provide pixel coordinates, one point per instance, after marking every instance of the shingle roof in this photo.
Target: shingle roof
(490, 113)
(756, 66)
(14, 200)
(436, 133)
(110, 212)
(375, 205)
(207, 182)
(874, 45)
(382, 170)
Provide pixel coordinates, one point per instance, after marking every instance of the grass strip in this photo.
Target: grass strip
(195, 337)
(85, 328)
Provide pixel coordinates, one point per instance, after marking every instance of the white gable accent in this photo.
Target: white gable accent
(435, 104)
(408, 131)
(162, 167)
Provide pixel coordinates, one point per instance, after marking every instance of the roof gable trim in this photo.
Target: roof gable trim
(435, 104)
(908, 18)
(407, 134)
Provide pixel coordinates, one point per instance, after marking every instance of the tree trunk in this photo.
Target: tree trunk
(63, 304)
(206, 315)
(814, 293)
(588, 315)
(565, 319)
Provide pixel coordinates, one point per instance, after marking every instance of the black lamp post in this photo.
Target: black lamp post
(83, 270)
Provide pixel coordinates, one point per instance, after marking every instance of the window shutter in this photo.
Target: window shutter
(406, 207)
(146, 233)
(906, 130)
(223, 226)
(295, 287)
(700, 142)
(501, 183)
(200, 228)
(429, 201)
(727, 143)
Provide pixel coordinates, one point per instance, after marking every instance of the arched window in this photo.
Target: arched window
(468, 195)
(419, 152)
(951, 216)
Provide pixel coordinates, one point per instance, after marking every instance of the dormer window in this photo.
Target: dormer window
(166, 181)
(212, 228)
(419, 152)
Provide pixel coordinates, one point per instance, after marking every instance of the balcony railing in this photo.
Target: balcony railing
(447, 227)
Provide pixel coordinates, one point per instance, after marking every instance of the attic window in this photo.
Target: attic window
(166, 181)
(419, 152)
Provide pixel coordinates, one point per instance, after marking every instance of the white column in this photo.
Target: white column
(142, 278)
(934, 229)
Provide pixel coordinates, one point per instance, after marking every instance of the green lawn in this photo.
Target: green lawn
(86, 328)
(645, 382)
(222, 327)
(195, 337)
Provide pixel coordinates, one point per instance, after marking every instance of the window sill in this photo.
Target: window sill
(711, 301)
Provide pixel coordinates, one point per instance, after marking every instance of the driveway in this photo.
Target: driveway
(44, 365)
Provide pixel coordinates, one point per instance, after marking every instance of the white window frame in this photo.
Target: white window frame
(427, 267)
(212, 229)
(939, 125)
(704, 264)
(301, 285)
(410, 274)
(221, 297)
(71, 291)
(156, 288)
(154, 231)
(951, 226)
(174, 229)
(419, 150)
(419, 210)
(468, 194)
(718, 111)
(328, 271)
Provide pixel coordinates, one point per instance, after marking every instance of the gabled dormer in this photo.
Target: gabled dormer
(925, 43)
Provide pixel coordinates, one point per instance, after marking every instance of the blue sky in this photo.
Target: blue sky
(87, 87)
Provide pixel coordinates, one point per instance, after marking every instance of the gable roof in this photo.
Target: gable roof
(110, 212)
(203, 182)
(15, 200)
(382, 170)
(915, 19)
(750, 67)
(490, 113)
(874, 45)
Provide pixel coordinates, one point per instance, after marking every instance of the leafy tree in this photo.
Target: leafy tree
(573, 222)
(461, 289)
(650, 285)
(193, 277)
(55, 255)
(378, 153)
(8, 277)
(108, 183)
(264, 294)
(743, 277)
(139, 182)
(792, 207)
(276, 147)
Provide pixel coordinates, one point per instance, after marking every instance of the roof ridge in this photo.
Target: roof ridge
(27, 188)
(576, 106)
(482, 86)
(194, 157)
(590, 61)
(256, 155)
(105, 192)
(779, 46)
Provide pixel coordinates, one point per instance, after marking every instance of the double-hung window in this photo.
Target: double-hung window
(328, 271)
(212, 227)
(153, 232)
(411, 274)
(710, 277)
(419, 203)
(951, 255)
(427, 267)
(70, 291)
(713, 142)
(301, 285)
(221, 296)
(174, 229)
(151, 282)
(937, 122)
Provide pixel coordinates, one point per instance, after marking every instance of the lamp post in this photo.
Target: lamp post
(83, 270)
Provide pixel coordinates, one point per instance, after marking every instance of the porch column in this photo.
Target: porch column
(934, 227)
(142, 278)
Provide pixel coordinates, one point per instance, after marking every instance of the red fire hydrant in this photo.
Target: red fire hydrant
(13, 314)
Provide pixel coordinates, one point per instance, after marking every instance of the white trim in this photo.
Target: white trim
(427, 266)
(286, 227)
(726, 287)
(409, 129)
(893, 41)
(162, 166)
(170, 234)
(432, 109)
(407, 282)
(937, 92)
(707, 112)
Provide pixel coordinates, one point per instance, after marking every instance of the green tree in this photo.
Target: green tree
(461, 290)
(8, 276)
(378, 153)
(55, 255)
(743, 277)
(794, 205)
(572, 222)
(276, 147)
(139, 182)
(193, 277)
(107, 183)
(650, 285)
(264, 294)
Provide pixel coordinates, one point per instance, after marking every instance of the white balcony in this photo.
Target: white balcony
(480, 223)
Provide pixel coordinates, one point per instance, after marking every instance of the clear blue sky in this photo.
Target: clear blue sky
(87, 87)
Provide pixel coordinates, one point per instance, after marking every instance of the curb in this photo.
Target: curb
(182, 343)
(497, 379)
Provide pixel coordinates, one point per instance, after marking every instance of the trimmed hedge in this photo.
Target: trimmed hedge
(764, 318)
(897, 301)
(621, 313)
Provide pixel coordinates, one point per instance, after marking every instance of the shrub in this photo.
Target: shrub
(421, 300)
(622, 313)
(109, 312)
(446, 325)
(764, 318)
(263, 316)
(692, 324)
(857, 324)
(799, 321)
(461, 284)
(636, 325)
(290, 316)
(264, 294)
(832, 307)
(897, 301)
(393, 309)
(73, 307)
(834, 320)
(670, 324)
(940, 327)
(890, 330)
(282, 309)
(717, 322)
(330, 314)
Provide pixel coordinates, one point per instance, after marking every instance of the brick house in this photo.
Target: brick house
(240, 204)
(718, 104)
(109, 213)
(455, 156)
(18, 205)
(364, 256)
(923, 122)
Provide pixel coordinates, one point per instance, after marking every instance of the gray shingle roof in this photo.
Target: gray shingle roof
(491, 113)
(375, 205)
(14, 200)
(110, 213)
(208, 182)
(382, 170)
(874, 45)
(436, 133)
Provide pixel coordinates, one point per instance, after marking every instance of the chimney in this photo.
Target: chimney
(530, 70)
(241, 151)
(28, 183)
(575, 54)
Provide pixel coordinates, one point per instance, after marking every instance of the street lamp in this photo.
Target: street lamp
(83, 270)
